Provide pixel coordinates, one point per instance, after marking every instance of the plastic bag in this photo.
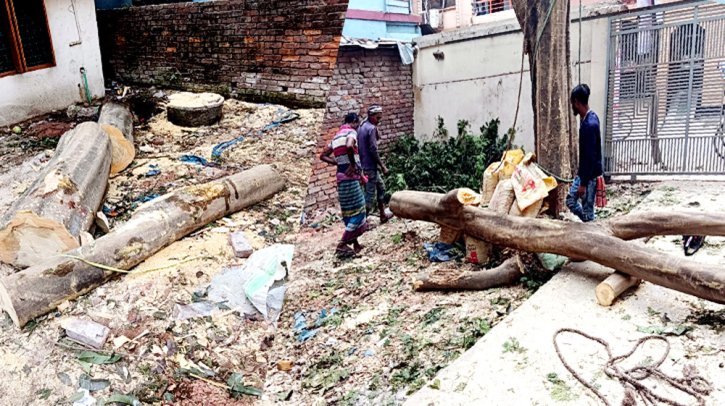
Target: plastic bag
(531, 211)
(490, 180)
(529, 184)
(503, 197)
(261, 281)
(477, 251)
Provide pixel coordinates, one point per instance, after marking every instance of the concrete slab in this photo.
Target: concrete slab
(486, 375)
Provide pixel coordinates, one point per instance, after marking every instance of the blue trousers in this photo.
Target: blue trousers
(585, 209)
(374, 189)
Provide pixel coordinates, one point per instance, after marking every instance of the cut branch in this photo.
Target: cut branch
(450, 279)
(616, 284)
(38, 290)
(50, 216)
(597, 242)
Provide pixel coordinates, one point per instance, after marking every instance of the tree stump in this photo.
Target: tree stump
(194, 110)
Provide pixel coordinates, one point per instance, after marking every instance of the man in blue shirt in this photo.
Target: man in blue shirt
(590, 157)
(368, 136)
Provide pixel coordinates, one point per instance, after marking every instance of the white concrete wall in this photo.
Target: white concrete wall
(27, 94)
(478, 79)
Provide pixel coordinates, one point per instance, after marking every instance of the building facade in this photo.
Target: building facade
(382, 19)
(45, 47)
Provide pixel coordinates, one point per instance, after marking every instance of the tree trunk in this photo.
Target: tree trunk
(554, 125)
(450, 279)
(49, 217)
(39, 289)
(117, 120)
(599, 242)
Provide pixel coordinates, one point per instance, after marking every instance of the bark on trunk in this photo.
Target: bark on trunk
(450, 279)
(39, 289)
(117, 120)
(555, 132)
(49, 217)
(599, 242)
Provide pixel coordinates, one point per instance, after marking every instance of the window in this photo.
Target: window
(483, 7)
(25, 43)
(438, 4)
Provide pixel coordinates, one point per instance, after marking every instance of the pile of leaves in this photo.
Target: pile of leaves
(447, 162)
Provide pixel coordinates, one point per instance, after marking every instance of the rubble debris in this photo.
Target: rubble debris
(49, 217)
(284, 365)
(195, 309)
(50, 129)
(194, 110)
(240, 244)
(149, 230)
(85, 399)
(102, 222)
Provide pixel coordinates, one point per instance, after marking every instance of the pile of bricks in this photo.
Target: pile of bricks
(277, 51)
(362, 77)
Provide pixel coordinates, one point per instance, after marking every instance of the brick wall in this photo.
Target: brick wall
(278, 51)
(362, 77)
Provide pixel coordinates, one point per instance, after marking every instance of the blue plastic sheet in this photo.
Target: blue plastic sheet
(439, 252)
(216, 152)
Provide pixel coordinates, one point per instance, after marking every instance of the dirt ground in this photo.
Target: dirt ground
(139, 307)
(385, 340)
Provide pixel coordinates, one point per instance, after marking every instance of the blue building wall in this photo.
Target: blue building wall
(376, 29)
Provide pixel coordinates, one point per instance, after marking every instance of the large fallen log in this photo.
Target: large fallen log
(117, 120)
(38, 290)
(62, 202)
(585, 241)
(510, 271)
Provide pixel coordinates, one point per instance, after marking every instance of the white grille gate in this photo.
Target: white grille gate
(666, 91)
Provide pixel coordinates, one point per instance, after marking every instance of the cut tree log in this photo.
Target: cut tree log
(598, 242)
(451, 279)
(117, 120)
(614, 286)
(50, 216)
(617, 283)
(40, 289)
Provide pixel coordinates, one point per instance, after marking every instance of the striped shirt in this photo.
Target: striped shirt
(339, 146)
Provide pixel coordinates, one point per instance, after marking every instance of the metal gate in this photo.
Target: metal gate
(666, 91)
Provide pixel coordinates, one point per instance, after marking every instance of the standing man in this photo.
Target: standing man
(590, 157)
(370, 159)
